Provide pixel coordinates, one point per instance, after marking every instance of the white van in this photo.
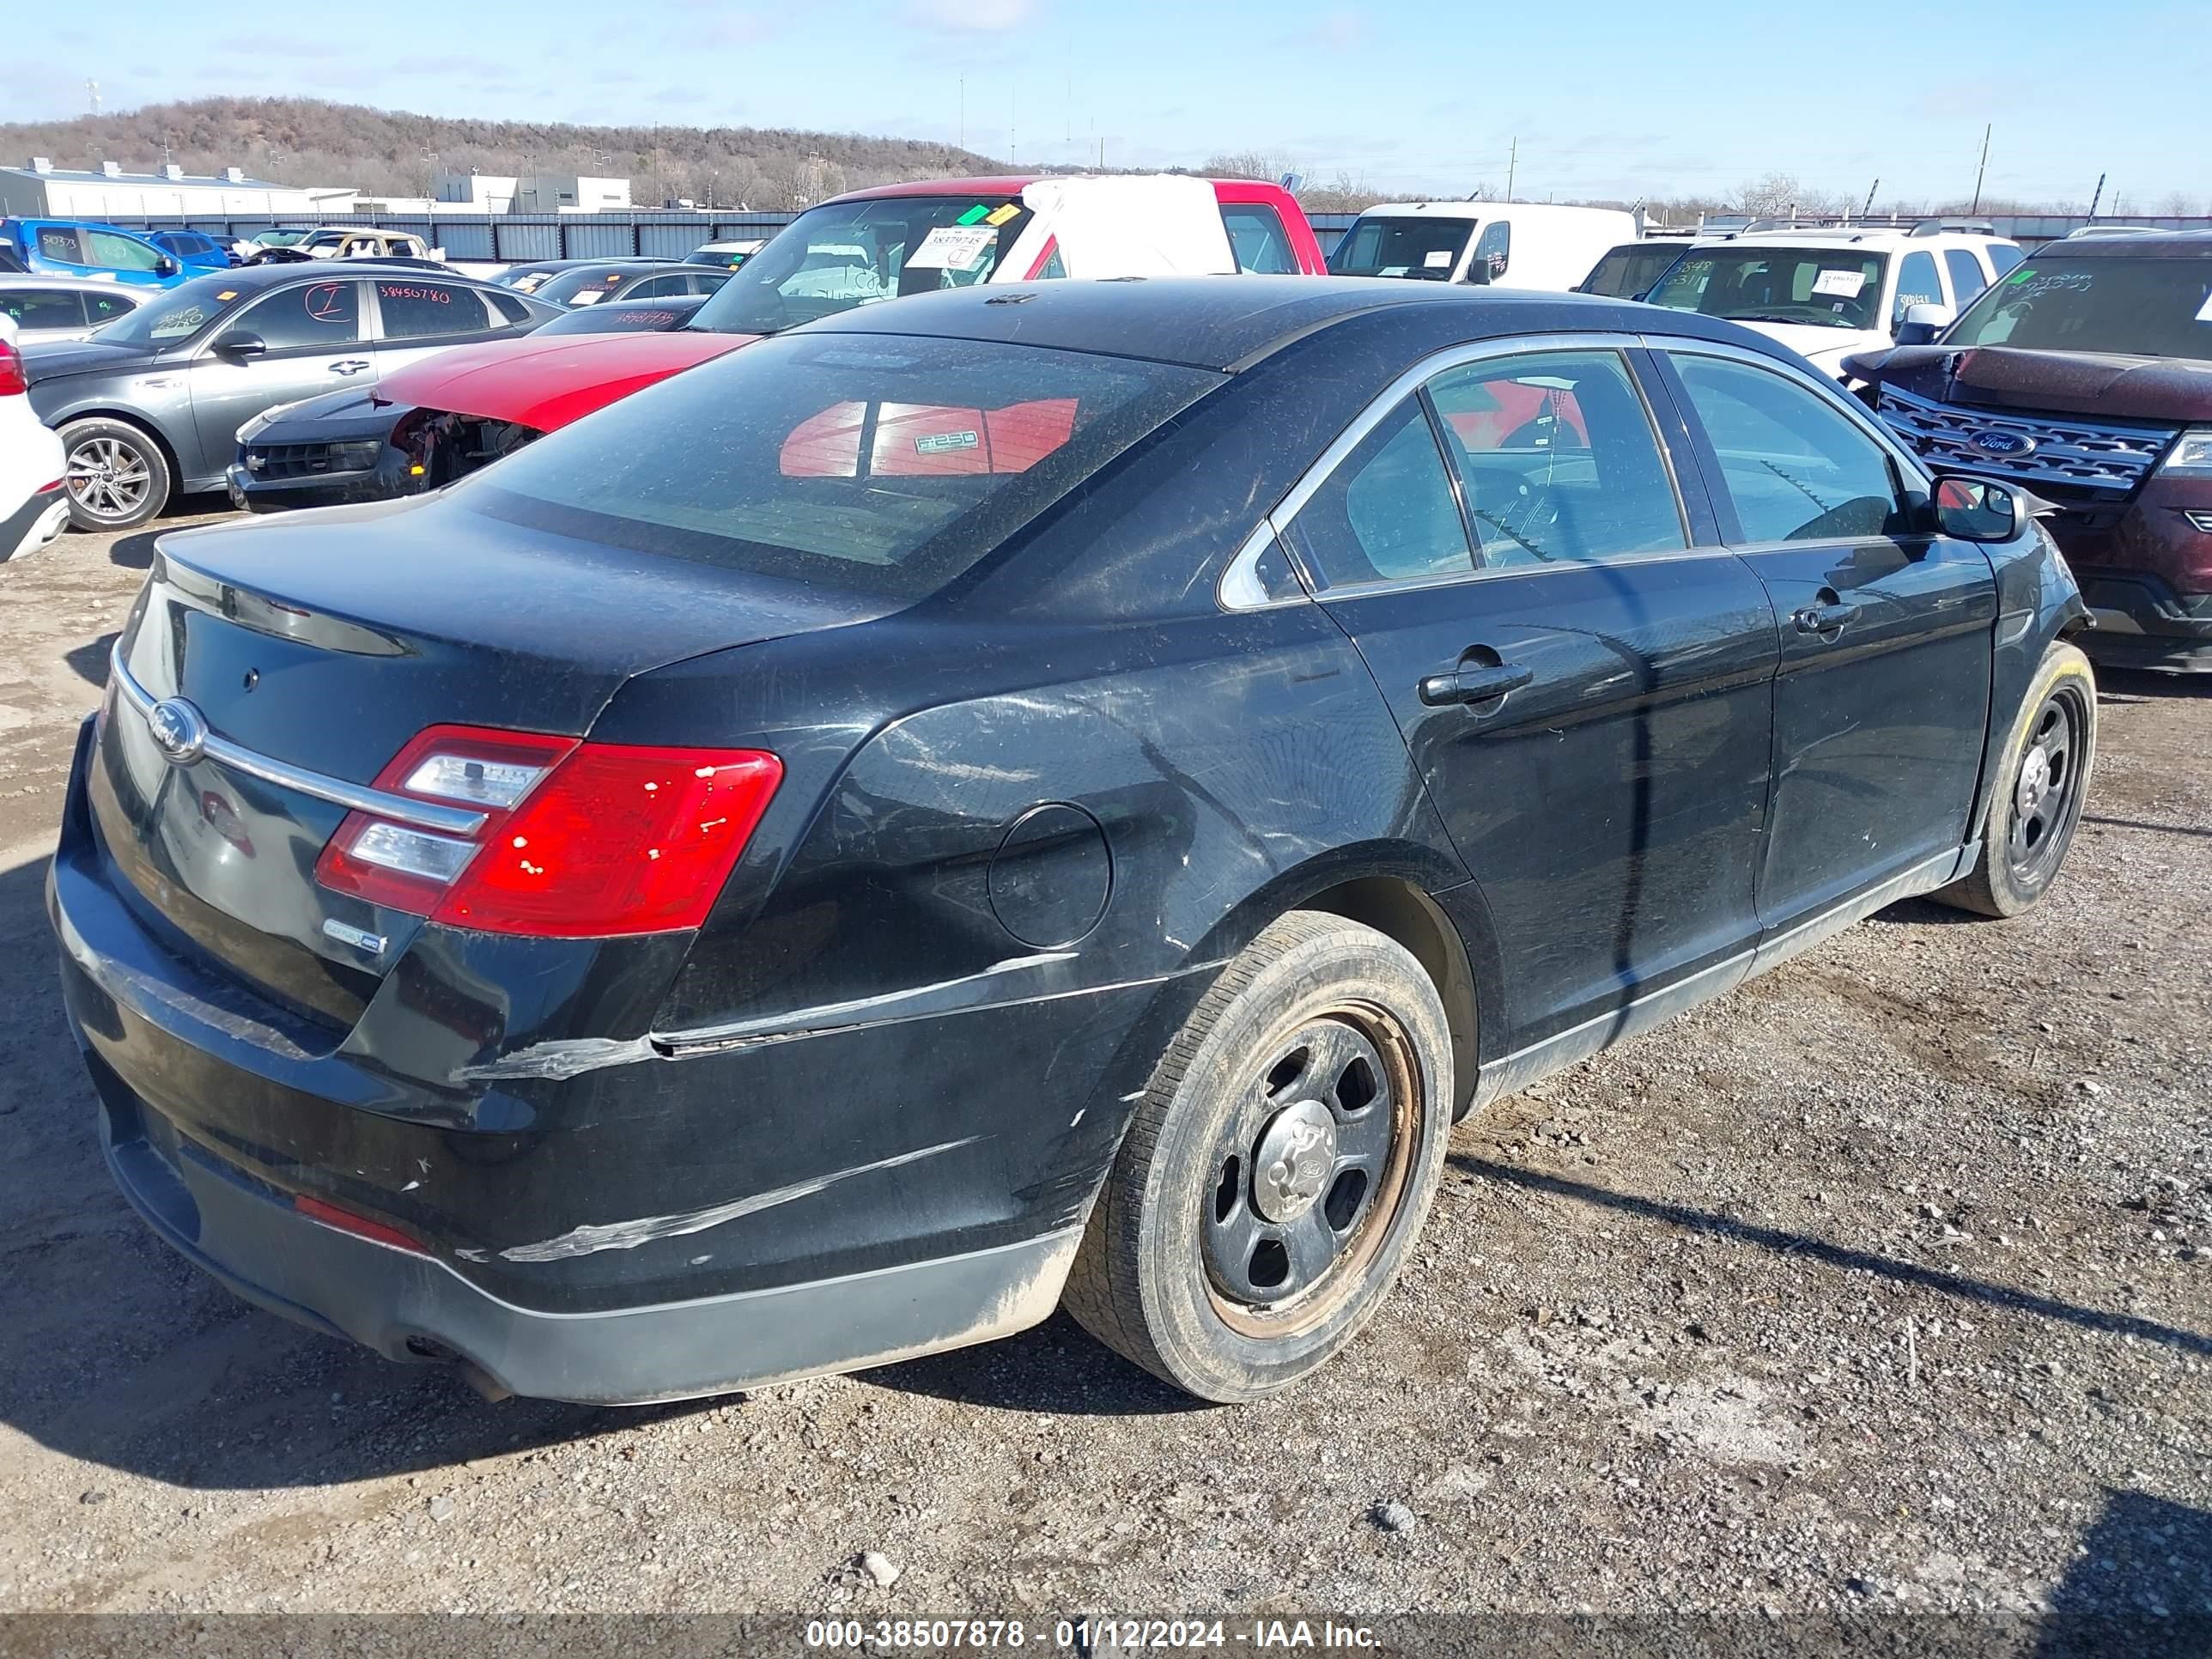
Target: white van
(1526, 244)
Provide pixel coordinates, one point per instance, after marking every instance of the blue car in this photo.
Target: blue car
(199, 253)
(70, 247)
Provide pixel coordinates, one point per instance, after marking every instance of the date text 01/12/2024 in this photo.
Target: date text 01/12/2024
(1086, 1635)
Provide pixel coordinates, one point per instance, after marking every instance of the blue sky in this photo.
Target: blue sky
(1605, 97)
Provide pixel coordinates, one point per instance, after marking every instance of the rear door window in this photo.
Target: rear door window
(1558, 460)
(319, 316)
(424, 308)
(1256, 234)
(43, 308)
(880, 463)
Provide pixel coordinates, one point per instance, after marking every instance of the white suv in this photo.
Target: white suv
(1828, 293)
(33, 506)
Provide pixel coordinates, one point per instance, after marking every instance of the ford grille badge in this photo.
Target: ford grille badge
(2015, 445)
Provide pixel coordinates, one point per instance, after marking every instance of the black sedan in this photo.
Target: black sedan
(346, 446)
(1013, 796)
(624, 279)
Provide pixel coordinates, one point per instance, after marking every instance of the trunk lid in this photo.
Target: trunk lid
(326, 642)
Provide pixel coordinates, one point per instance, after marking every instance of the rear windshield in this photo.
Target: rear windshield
(2130, 307)
(1630, 270)
(1425, 248)
(844, 255)
(181, 313)
(885, 464)
(1821, 288)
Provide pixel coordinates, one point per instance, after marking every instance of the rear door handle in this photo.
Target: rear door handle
(1826, 618)
(1474, 683)
(351, 366)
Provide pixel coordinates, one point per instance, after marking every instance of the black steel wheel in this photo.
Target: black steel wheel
(1279, 1166)
(2030, 823)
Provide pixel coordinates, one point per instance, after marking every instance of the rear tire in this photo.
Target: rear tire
(1279, 1165)
(2048, 761)
(117, 476)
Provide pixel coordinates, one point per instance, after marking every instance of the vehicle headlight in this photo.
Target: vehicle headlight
(2190, 456)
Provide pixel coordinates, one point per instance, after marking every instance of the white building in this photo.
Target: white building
(43, 191)
(558, 192)
(475, 192)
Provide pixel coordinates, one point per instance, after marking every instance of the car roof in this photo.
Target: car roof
(2159, 244)
(1228, 323)
(255, 277)
(89, 284)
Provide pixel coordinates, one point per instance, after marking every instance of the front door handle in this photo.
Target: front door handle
(351, 366)
(1473, 683)
(1828, 618)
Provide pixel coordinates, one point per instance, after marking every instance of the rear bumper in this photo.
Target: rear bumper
(32, 526)
(2142, 623)
(409, 1306)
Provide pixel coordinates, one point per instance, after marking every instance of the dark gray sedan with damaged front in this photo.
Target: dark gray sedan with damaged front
(1015, 797)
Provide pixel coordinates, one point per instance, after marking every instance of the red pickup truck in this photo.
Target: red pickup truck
(461, 409)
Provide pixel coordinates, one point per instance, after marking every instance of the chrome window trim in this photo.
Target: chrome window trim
(359, 798)
(1241, 575)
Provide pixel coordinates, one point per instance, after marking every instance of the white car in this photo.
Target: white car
(48, 308)
(33, 506)
(1828, 293)
(1523, 245)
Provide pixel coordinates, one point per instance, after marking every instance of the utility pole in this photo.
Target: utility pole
(1868, 209)
(1512, 163)
(2098, 197)
(1982, 170)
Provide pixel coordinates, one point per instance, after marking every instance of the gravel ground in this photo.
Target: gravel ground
(1886, 1282)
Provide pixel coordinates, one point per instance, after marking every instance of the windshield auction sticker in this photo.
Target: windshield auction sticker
(951, 247)
(1839, 284)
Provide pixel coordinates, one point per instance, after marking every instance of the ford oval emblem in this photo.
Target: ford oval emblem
(180, 730)
(2015, 444)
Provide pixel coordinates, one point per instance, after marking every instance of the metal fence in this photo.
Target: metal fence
(512, 238)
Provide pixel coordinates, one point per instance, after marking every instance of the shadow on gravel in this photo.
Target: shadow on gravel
(134, 552)
(90, 661)
(2142, 1585)
(2154, 828)
(2135, 685)
(1925, 913)
(1059, 1368)
(1841, 1256)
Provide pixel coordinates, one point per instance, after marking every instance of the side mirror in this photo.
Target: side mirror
(241, 348)
(1973, 510)
(1922, 322)
(165, 266)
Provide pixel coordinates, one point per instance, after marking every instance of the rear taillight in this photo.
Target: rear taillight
(580, 840)
(12, 380)
(346, 1221)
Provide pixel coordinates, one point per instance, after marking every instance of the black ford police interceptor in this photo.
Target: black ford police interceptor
(1016, 796)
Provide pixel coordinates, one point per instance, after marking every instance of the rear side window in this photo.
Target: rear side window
(1967, 278)
(1795, 469)
(510, 309)
(321, 314)
(1493, 253)
(2003, 256)
(50, 307)
(1557, 461)
(1262, 245)
(102, 307)
(60, 242)
(1386, 513)
(424, 308)
(885, 464)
